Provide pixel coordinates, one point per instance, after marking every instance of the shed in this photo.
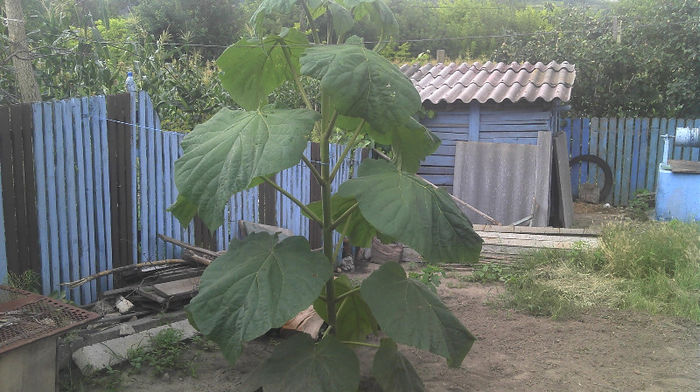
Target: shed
(490, 102)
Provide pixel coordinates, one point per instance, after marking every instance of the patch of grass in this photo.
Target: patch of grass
(650, 266)
(163, 355)
(488, 273)
(27, 280)
(106, 380)
(640, 205)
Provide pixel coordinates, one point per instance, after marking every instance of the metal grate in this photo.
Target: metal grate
(26, 317)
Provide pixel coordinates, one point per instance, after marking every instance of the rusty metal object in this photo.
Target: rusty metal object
(26, 317)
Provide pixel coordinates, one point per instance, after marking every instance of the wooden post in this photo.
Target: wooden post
(267, 204)
(441, 56)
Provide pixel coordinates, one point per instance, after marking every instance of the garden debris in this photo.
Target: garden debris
(307, 321)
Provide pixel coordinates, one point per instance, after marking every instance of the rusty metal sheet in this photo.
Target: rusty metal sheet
(27, 317)
(490, 81)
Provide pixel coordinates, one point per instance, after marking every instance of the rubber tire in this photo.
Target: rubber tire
(607, 185)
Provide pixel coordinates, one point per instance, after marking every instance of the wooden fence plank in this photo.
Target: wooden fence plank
(585, 144)
(41, 194)
(636, 147)
(61, 204)
(31, 229)
(132, 164)
(602, 147)
(71, 201)
(102, 209)
(84, 249)
(575, 151)
(104, 155)
(674, 123)
(51, 207)
(695, 153)
(652, 164)
(167, 189)
(627, 161)
(151, 190)
(89, 191)
(643, 155)
(9, 204)
(3, 250)
(611, 147)
(593, 146)
(160, 193)
(143, 177)
(619, 159)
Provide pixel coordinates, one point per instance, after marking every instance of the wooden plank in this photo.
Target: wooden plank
(3, 251)
(89, 191)
(585, 145)
(612, 148)
(643, 155)
(101, 208)
(160, 193)
(593, 148)
(151, 190)
(652, 163)
(71, 199)
(114, 184)
(81, 209)
(133, 239)
(41, 202)
(575, 151)
(474, 121)
(8, 190)
(561, 158)
(178, 288)
(636, 149)
(677, 152)
(695, 151)
(143, 176)
(678, 166)
(602, 148)
(315, 233)
(61, 204)
(29, 228)
(169, 200)
(104, 155)
(627, 161)
(51, 192)
(543, 176)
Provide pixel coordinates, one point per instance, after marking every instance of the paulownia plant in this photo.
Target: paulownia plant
(261, 282)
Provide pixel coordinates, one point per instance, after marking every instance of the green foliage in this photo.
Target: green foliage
(412, 314)
(393, 371)
(27, 280)
(650, 266)
(640, 205)
(430, 276)
(164, 353)
(489, 273)
(650, 72)
(261, 283)
(241, 147)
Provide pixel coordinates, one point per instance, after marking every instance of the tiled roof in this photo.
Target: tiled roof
(492, 81)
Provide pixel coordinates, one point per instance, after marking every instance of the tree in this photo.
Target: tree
(21, 55)
(263, 281)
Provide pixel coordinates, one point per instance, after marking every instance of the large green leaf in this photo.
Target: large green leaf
(300, 365)
(405, 207)
(412, 314)
(270, 7)
(229, 153)
(252, 68)
(378, 13)
(363, 84)
(342, 18)
(355, 227)
(354, 318)
(393, 371)
(257, 285)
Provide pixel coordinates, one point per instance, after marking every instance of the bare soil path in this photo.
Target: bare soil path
(604, 350)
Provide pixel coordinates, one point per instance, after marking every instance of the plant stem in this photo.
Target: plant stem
(337, 247)
(347, 293)
(327, 121)
(360, 343)
(297, 81)
(345, 215)
(347, 149)
(294, 200)
(314, 32)
(313, 169)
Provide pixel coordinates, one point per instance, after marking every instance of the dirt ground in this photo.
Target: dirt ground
(588, 215)
(602, 351)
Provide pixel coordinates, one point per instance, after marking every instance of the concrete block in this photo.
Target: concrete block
(112, 352)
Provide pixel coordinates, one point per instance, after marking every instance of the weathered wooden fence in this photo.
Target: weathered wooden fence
(632, 147)
(86, 184)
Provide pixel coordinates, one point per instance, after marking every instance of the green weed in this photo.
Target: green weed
(430, 275)
(651, 266)
(163, 355)
(487, 273)
(27, 280)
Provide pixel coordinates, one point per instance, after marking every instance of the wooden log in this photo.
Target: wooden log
(82, 281)
(193, 248)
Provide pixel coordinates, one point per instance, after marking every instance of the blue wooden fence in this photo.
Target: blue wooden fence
(632, 147)
(84, 215)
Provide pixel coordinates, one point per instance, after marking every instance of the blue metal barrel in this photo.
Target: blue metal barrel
(678, 196)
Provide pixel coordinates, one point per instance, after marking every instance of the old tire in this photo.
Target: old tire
(607, 185)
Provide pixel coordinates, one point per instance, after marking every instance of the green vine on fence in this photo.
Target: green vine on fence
(262, 281)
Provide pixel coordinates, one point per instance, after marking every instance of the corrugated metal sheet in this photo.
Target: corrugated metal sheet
(496, 178)
(492, 81)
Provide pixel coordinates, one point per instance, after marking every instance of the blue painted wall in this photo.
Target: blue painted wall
(490, 122)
